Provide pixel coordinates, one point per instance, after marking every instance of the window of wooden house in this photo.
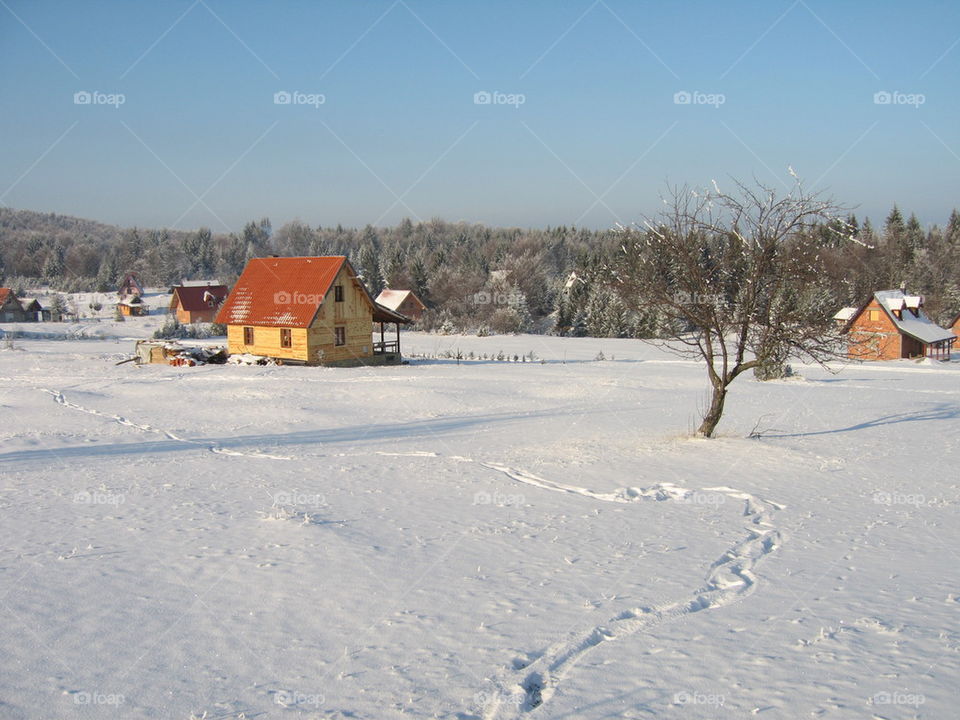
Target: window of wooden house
(248, 336)
(339, 336)
(874, 315)
(338, 293)
(286, 339)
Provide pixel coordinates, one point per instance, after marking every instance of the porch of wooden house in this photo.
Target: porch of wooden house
(387, 347)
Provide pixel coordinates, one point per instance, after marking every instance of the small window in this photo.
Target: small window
(285, 338)
(248, 336)
(338, 293)
(874, 315)
(339, 336)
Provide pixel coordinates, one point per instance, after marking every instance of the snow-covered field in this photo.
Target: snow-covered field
(474, 540)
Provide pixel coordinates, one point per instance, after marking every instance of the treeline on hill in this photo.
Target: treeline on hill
(473, 278)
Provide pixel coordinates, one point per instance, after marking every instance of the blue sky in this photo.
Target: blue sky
(585, 129)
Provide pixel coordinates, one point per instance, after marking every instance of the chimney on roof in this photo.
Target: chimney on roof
(903, 287)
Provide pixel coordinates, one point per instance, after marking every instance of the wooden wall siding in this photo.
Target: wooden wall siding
(266, 341)
(353, 314)
(197, 316)
(131, 310)
(359, 341)
(875, 339)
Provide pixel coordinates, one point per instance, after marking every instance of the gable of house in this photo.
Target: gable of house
(130, 285)
(873, 334)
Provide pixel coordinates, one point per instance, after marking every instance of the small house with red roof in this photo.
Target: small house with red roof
(10, 308)
(197, 303)
(893, 325)
(307, 310)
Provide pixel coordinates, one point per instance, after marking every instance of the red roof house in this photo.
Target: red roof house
(10, 308)
(197, 303)
(306, 310)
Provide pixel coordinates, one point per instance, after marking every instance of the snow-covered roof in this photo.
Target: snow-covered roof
(845, 313)
(393, 299)
(917, 326)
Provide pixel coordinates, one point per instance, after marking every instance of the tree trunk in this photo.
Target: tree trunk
(712, 417)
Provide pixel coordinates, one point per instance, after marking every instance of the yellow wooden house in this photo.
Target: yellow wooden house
(307, 310)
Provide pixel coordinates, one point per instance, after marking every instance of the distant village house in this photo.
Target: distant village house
(893, 325)
(307, 310)
(33, 311)
(10, 308)
(402, 301)
(197, 303)
(130, 287)
(134, 306)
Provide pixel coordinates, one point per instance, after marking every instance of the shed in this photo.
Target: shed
(133, 306)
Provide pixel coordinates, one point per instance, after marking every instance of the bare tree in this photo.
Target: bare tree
(735, 279)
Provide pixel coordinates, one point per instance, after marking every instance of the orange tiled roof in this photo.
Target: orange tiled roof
(280, 292)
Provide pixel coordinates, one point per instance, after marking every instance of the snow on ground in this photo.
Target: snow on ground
(93, 322)
(474, 540)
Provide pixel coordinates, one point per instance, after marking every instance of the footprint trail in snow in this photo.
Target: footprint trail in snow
(731, 578)
(120, 420)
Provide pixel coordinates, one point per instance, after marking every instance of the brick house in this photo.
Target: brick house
(893, 325)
